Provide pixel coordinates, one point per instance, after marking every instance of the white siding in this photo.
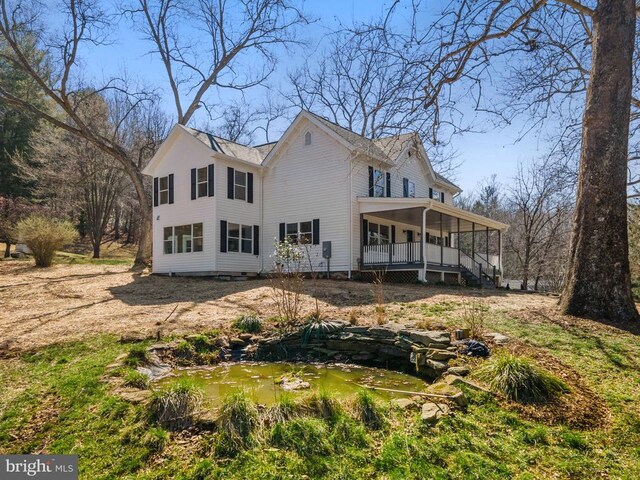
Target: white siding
(184, 154)
(237, 211)
(305, 183)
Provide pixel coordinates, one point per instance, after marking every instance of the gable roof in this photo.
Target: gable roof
(228, 147)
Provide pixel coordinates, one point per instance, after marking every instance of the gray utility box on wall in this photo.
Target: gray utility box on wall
(326, 249)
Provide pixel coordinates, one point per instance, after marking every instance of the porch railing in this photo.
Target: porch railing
(391, 253)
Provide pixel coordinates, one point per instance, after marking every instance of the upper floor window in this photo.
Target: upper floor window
(183, 239)
(436, 194)
(163, 190)
(202, 182)
(307, 138)
(408, 188)
(239, 185)
(379, 183)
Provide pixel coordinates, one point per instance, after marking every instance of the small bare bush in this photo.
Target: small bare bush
(474, 314)
(378, 292)
(174, 407)
(44, 236)
(287, 280)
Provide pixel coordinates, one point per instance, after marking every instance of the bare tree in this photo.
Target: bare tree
(231, 45)
(472, 35)
(540, 209)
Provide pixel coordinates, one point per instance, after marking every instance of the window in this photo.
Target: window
(183, 239)
(437, 195)
(233, 238)
(301, 232)
(203, 180)
(240, 185)
(239, 238)
(378, 183)
(168, 240)
(408, 188)
(247, 239)
(164, 190)
(378, 234)
(307, 138)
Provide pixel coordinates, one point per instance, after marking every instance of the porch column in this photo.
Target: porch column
(500, 252)
(458, 239)
(362, 236)
(487, 245)
(473, 240)
(441, 240)
(422, 273)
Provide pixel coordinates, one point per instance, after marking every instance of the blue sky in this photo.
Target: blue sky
(495, 151)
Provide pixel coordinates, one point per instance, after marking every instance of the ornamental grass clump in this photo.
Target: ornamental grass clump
(520, 379)
(248, 323)
(174, 407)
(237, 424)
(44, 235)
(368, 411)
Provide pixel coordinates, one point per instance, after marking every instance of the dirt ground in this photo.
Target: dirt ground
(67, 302)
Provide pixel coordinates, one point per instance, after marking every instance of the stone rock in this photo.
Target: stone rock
(403, 403)
(436, 365)
(382, 332)
(362, 357)
(455, 394)
(498, 338)
(392, 351)
(133, 337)
(455, 380)
(135, 396)
(437, 354)
(18, 255)
(293, 383)
(429, 337)
(245, 336)
(221, 342)
(461, 371)
(236, 342)
(432, 412)
(356, 330)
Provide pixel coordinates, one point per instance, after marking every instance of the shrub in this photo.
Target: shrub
(44, 236)
(519, 379)
(323, 405)
(138, 355)
(347, 431)
(174, 407)
(237, 424)
(368, 411)
(155, 439)
(135, 379)
(474, 316)
(285, 409)
(306, 436)
(248, 323)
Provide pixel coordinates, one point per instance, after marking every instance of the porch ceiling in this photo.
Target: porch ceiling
(409, 211)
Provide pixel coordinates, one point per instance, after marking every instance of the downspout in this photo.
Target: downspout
(262, 172)
(351, 215)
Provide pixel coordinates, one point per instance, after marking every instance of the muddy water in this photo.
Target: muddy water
(261, 380)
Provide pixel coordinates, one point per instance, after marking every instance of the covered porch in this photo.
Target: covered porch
(429, 236)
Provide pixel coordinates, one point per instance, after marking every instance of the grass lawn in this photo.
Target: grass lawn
(55, 398)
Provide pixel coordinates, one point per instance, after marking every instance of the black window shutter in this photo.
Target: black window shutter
(393, 234)
(365, 232)
(442, 197)
(230, 182)
(315, 231)
(405, 187)
(388, 184)
(249, 187)
(171, 188)
(430, 192)
(193, 183)
(371, 191)
(256, 240)
(155, 191)
(223, 236)
(211, 179)
(281, 236)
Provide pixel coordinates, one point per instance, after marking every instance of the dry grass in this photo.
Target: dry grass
(69, 302)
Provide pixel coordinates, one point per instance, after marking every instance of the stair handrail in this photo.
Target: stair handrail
(490, 266)
(471, 264)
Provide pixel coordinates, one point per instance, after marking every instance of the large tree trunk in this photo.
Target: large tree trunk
(144, 244)
(598, 282)
(7, 249)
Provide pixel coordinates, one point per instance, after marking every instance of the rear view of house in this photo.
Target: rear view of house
(357, 204)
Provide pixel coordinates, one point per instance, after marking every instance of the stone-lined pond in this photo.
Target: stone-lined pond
(266, 382)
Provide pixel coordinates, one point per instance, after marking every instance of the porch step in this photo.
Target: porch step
(471, 280)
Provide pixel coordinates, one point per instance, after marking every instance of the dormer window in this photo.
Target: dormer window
(307, 139)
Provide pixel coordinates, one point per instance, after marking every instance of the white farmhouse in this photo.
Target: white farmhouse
(357, 204)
